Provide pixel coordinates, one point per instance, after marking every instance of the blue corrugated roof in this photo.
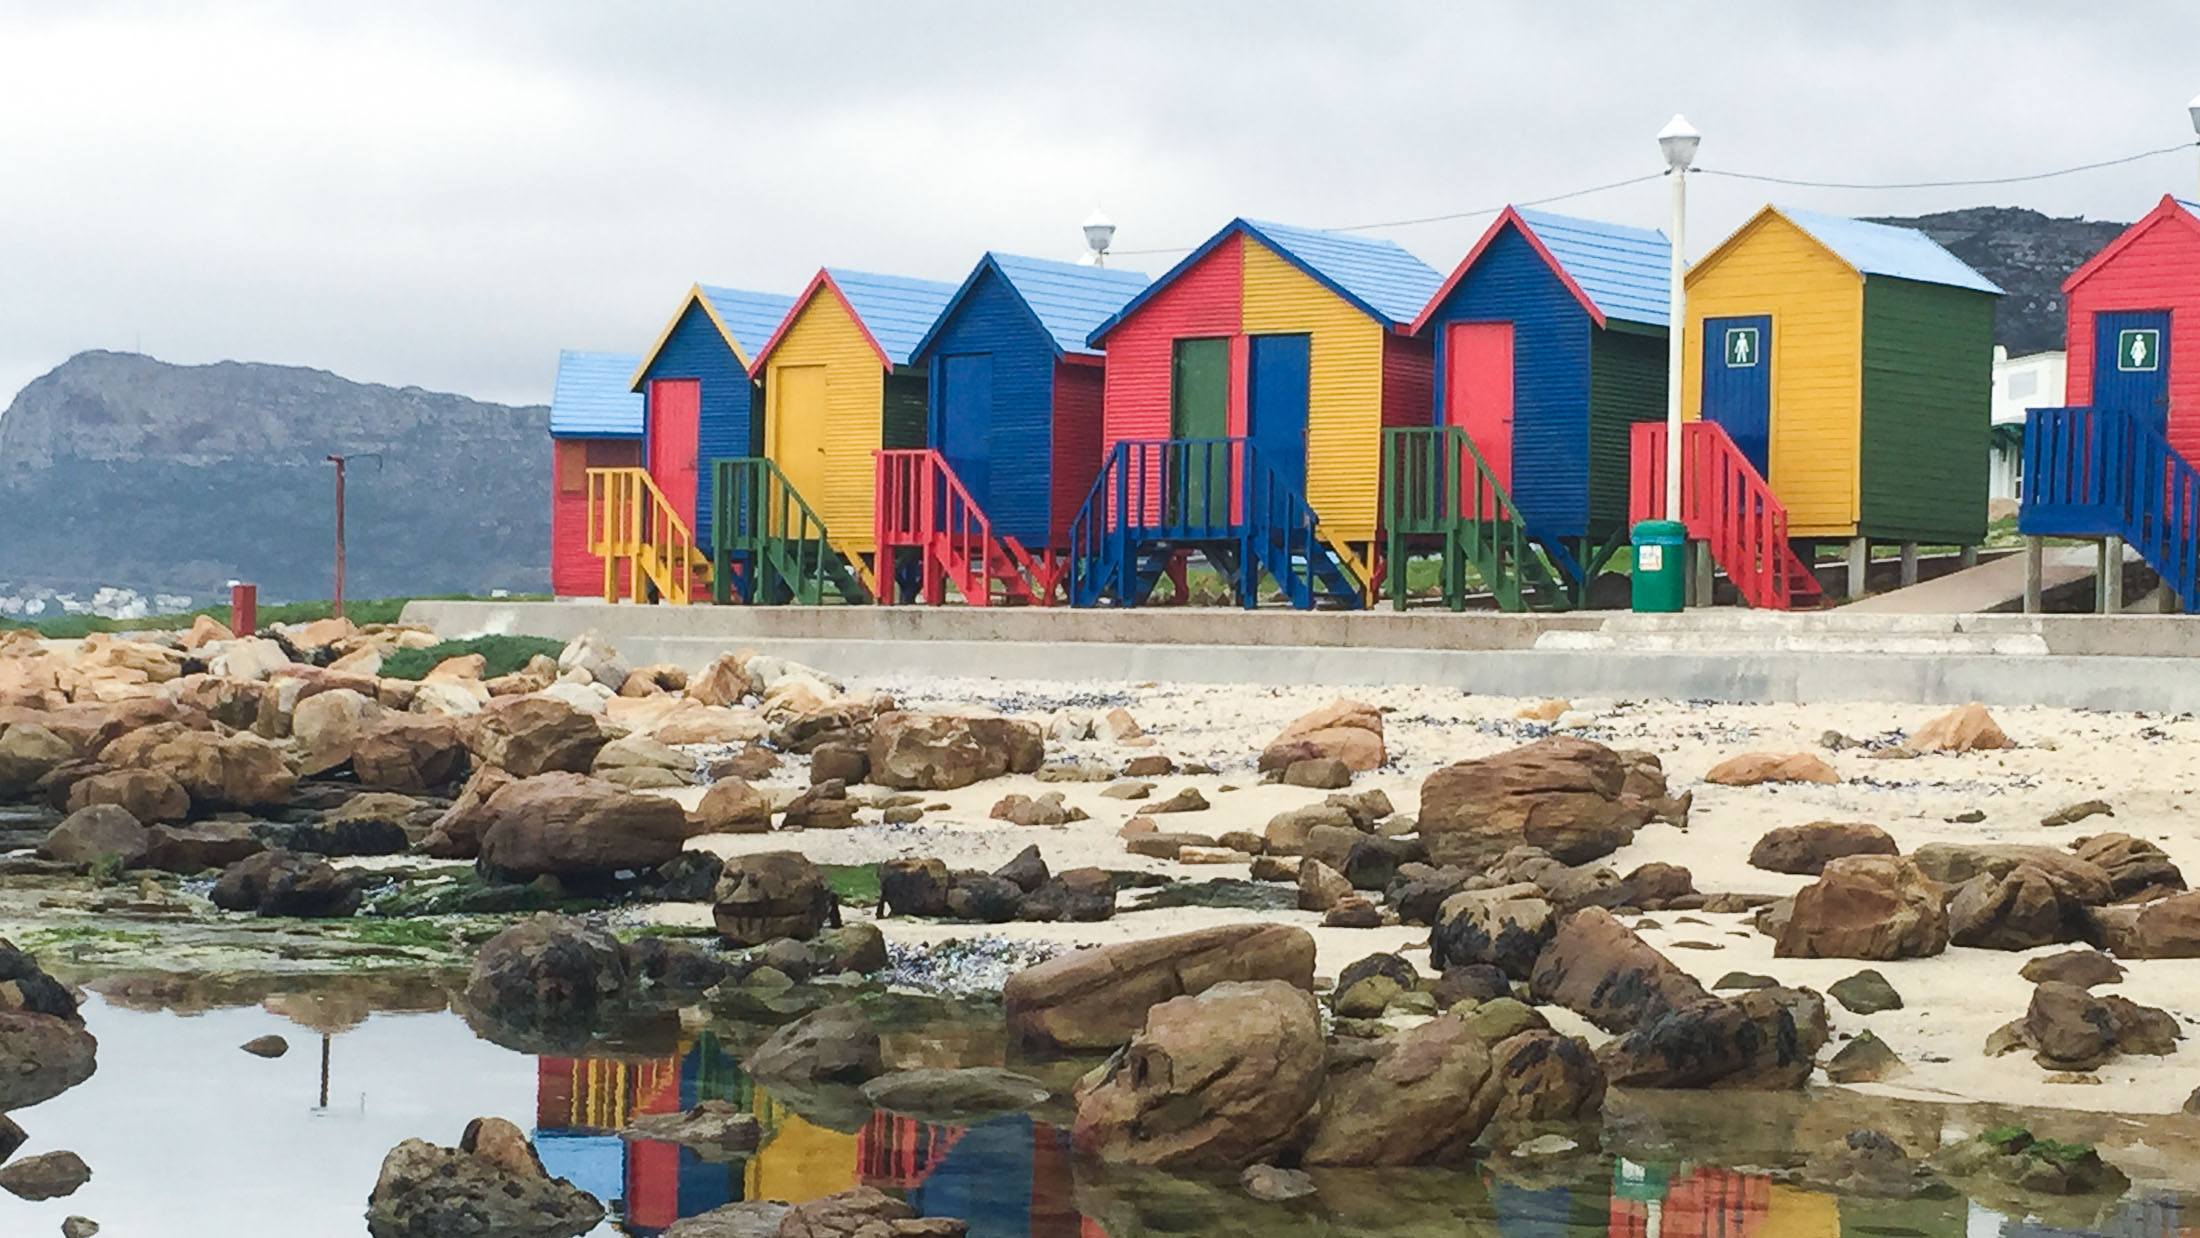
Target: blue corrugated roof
(896, 311)
(1886, 249)
(1626, 271)
(592, 399)
(1377, 275)
(1069, 299)
(750, 316)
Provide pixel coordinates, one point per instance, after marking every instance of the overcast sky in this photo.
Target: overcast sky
(446, 194)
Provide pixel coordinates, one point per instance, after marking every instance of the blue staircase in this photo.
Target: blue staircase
(1159, 499)
(2102, 472)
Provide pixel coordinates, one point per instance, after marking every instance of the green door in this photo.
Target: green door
(1198, 478)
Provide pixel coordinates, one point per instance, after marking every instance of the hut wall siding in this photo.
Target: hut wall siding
(1626, 386)
(1816, 303)
(1079, 392)
(2160, 269)
(994, 320)
(1409, 381)
(825, 333)
(725, 426)
(574, 572)
(1344, 386)
(1205, 301)
(1928, 383)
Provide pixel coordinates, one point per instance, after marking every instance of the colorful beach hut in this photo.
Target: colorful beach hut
(1842, 371)
(1012, 439)
(595, 423)
(2117, 463)
(840, 383)
(1247, 390)
(1549, 344)
(701, 401)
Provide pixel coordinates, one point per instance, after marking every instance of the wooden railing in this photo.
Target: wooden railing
(922, 505)
(770, 545)
(631, 521)
(2101, 472)
(1437, 485)
(1727, 504)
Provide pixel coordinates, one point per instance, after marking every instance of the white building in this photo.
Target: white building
(2034, 380)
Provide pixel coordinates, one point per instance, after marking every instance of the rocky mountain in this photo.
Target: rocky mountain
(2028, 254)
(121, 471)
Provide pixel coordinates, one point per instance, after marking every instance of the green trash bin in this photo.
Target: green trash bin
(1661, 567)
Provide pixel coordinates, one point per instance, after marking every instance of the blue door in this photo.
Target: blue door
(1737, 383)
(1275, 405)
(2131, 365)
(965, 426)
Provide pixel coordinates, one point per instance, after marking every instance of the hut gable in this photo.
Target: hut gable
(2153, 265)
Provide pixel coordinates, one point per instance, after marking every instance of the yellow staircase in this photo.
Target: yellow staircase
(630, 522)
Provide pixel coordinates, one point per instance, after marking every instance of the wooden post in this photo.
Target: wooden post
(1703, 576)
(1968, 556)
(2111, 579)
(2034, 571)
(1860, 558)
(1909, 564)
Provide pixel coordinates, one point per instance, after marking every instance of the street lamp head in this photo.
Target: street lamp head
(2192, 109)
(1679, 141)
(1099, 233)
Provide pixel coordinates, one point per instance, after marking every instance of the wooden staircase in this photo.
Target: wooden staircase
(924, 509)
(1726, 503)
(1440, 494)
(630, 522)
(1157, 500)
(768, 546)
(2102, 472)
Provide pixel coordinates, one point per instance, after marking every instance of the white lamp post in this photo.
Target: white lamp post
(1099, 232)
(1678, 140)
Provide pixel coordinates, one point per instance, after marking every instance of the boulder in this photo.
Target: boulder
(1271, 1185)
(2086, 968)
(548, 971)
(1081, 895)
(2136, 868)
(1754, 768)
(530, 735)
(247, 657)
(1565, 795)
(50, 1175)
(1320, 773)
(571, 825)
(239, 704)
(280, 883)
(913, 887)
(456, 835)
(732, 806)
(2166, 929)
(1866, 907)
(28, 752)
(2071, 814)
(147, 795)
(99, 834)
(1047, 809)
(2016, 911)
(1506, 927)
(2069, 1028)
(1866, 1059)
(452, 697)
(492, 1186)
(1096, 998)
(834, 1044)
(1222, 1079)
(1540, 1077)
(864, 1212)
(958, 1097)
(1866, 1164)
(1288, 831)
(241, 772)
(769, 895)
(940, 752)
(1598, 968)
(1320, 886)
(1966, 728)
(640, 753)
(1805, 849)
(1760, 1038)
(1416, 1101)
(1866, 992)
(984, 899)
(200, 846)
(325, 728)
(410, 754)
(1354, 912)
(1028, 871)
(370, 823)
(1344, 730)
(825, 806)
(2077, 882)
(41, 1056)
(724, 682)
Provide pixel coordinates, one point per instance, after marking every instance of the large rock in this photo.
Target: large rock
(725, 681)
(1506, 927)
(44, 1049)
(1539, 1076)
(2167, 929)
(1347, 731)
(2016, 911)
(1754, 768)
(1866, 907)
(325, 728)
(28, 752)
(1223, 1079)
(770, 895)
(1568, 796)
(281, 883)
(456, 835)
(1805, 849)
(1966, 728)
(1415, 1103)
(864, 1212)
(2077, 882)
(50, 1175)
(940, 752)
(99, 834)
(571, 825)
(2136, 868)
(1760, 1038)
(530, 735)
(835, 1044)
(218, 771)
(1096, 998)
(732, 806)
(148, 795)
(548, 971)
(411, 754)
(1596, 967)
(201, 845)
(491, 1186)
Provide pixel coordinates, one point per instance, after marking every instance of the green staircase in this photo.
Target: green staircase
(769, 548)
(1440, 497)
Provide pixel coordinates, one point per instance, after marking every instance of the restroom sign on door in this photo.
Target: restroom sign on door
(1742, 349)
(2139, 350)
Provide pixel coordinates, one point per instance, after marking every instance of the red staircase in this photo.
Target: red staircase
(1726, 503)
(923, 506)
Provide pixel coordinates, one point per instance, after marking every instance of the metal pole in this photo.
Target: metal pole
(338, 461)
(1676, 319)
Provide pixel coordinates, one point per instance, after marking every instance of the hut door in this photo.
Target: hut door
(1276, 405)
(797, 430)
(966, 421)
(1478, 391)
(1199, 408)
(675, 426)
(2131, 365)
(1737, 383)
